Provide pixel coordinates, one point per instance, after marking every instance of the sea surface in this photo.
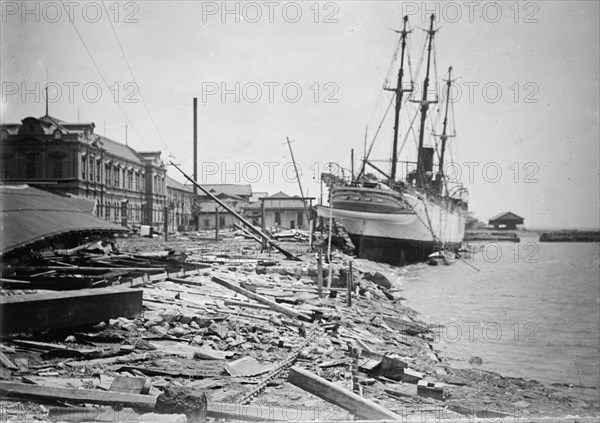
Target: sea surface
(531, 310)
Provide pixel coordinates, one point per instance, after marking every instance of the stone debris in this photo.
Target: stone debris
(245, 331)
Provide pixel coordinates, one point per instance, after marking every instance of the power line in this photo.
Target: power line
(135, 81)
(100, 73)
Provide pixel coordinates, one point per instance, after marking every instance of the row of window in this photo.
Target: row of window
(115, 176)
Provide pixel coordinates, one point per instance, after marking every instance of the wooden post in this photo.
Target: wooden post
(263, 224)
(320, 273)
(216, 223)
(350, 283)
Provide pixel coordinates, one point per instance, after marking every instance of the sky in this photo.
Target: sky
(525, 100)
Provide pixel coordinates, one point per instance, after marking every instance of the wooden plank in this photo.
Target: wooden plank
(90, 396)
(266, 413)
(259, 298)
(339, 396)
(7, 363)
(246, 304)
(51, 310)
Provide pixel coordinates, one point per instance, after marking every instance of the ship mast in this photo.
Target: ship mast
(444, 137)
(399, 92)
(424, 107)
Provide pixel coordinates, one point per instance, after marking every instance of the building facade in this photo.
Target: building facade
(281, 212)
(180, 204)
(69, 158)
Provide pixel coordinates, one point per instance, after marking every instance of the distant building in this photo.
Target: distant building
(472, 223)
(281, 211)
(209, 211)
(69, 158)
(506, 220)
(180, 203)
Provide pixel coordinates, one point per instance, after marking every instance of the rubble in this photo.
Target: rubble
(249, 338)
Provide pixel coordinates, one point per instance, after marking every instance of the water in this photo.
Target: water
(532, 311)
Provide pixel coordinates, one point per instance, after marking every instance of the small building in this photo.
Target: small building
(506, 220)
(281, 211)
(205, 209)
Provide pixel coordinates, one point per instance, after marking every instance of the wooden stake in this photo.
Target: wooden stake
(350, 281)
(320, 273)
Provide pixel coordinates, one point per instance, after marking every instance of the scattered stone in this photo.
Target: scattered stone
(476, 360)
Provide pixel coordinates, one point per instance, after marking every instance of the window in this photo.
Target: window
(83, 168)
(98, 169)
(107, 175)
(221, 221)
(300, 219)
(277, 218)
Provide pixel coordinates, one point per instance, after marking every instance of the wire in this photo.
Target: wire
(135, 81)
(102, 75)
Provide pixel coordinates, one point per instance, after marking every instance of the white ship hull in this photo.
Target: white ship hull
(395, 228)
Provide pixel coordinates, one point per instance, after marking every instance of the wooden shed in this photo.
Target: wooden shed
(506, 220)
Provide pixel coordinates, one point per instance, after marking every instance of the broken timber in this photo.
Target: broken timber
(51, 310)
(259, 298)
(251, 227)
(339, 396)
(36, 392)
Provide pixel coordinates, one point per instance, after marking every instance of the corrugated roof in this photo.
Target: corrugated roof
(29, 214)
(507, 216)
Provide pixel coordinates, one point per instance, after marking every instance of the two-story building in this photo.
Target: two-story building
(69, 158)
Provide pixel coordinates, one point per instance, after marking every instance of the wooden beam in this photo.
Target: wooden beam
(267, 413)
(339, 396)
(90, 396)
(259, 298)
(251, 227)
(51, 310)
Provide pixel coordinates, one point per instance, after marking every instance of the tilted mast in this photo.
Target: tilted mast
(399, 92)
(424, 106)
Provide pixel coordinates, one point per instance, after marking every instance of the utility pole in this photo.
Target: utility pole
(196, 218)
(298, 178)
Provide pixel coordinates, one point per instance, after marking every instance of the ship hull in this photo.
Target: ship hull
(395, 228)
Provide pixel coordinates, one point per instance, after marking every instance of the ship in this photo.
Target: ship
(413, 210)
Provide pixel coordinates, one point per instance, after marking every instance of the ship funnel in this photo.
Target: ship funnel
(428, 159)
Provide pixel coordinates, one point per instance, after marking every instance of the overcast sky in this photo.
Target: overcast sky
(527, 74)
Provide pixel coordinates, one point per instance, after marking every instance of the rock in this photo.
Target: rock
(378, 279)
(476, 360)
(70, 339)
(169, 316)
(274, 320)
(186, 319)
(178, 331)
(159, 330)
(129, 327)
(181, 400)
